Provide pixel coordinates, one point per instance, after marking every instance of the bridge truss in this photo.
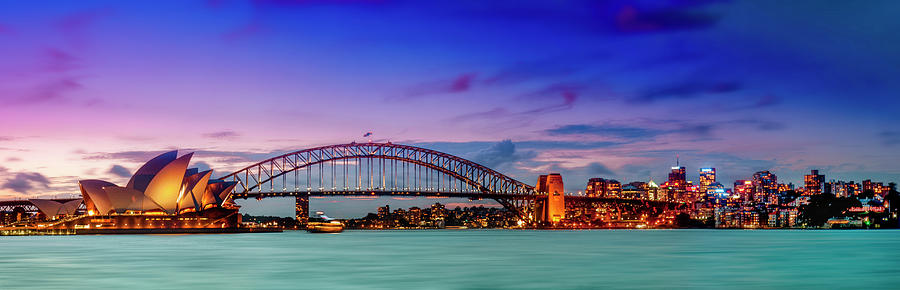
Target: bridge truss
(379, 169)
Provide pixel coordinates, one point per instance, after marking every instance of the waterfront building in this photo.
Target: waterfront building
(163, 195)
(813, 183)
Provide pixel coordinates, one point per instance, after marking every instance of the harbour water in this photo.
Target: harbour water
(458, 259)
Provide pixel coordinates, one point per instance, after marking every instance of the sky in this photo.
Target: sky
(613, 89)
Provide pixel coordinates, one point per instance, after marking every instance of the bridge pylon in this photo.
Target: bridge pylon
(301, 210)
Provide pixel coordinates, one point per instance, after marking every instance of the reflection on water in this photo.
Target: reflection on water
(457, 259)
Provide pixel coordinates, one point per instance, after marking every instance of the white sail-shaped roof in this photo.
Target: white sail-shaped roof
(125, 199)
(225, 195)
(142, 177)
(165, 186)
(70, 207)
(95, 198)
(219, 191)
(193, 190)
(48, 207)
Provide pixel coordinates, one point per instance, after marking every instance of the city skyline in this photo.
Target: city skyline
(90, 90)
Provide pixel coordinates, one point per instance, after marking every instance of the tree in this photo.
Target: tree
(822, 207)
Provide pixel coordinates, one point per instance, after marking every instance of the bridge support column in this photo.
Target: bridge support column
(301, 209)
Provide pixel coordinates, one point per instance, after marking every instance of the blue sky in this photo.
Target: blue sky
(586, 88)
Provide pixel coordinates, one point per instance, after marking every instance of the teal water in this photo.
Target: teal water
(447, 259)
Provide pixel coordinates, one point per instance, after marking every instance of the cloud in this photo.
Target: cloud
(119, 170)
(58, 60)
(6, 138)
(248, 30)
(503, 152)
(889, 138)
(685, 91)
(227, 134)
(767, 101)
(632, 133)
(230, 157)
(458, 84)
(13, 159)
(624, 132)
(553, 67)
(761, 125)
(202, 166)
(631, 19)
(74, 26)
(23, 182)
(597, 168)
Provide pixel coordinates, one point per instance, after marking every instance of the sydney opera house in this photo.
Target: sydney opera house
(164, 195)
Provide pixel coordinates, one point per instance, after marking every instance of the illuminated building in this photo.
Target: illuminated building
(744, 188)
(163, 195)
(765, 187)
(715, 193)
(677, 178)
(676, 185)
(653, 190)
(707, 177)
(813, 183)
(877, 188)
(54, 210)
(635, 190)
(599, 187)
(841, 188)
(555, 208)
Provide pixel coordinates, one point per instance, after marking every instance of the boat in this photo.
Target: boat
(324, 224)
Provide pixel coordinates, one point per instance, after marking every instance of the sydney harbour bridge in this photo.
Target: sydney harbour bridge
(382, 169)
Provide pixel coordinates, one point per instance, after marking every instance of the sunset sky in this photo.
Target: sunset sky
(614, 89)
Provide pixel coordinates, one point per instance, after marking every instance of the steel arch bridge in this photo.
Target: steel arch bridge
(378, 169)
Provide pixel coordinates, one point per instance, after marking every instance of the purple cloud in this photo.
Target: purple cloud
(501, 153)
(23, 182)
(59, 60)
(597, 168)
(890, 138)
(227, 134)
(630, 19)
(458, 84)
(119, 170)
(686, 90)
(74, 26)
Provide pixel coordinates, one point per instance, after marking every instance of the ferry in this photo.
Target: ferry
(324, 224)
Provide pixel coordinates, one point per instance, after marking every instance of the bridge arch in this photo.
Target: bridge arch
(479, 181)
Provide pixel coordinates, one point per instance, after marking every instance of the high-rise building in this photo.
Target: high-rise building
(715, 193)
(677, 177)
(744, 188)
(600, 187)
(555, 208)
(707, 177)
(813, 183)
(765, 187)
(676, 186)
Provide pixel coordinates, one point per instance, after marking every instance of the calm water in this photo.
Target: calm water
(473, 259)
